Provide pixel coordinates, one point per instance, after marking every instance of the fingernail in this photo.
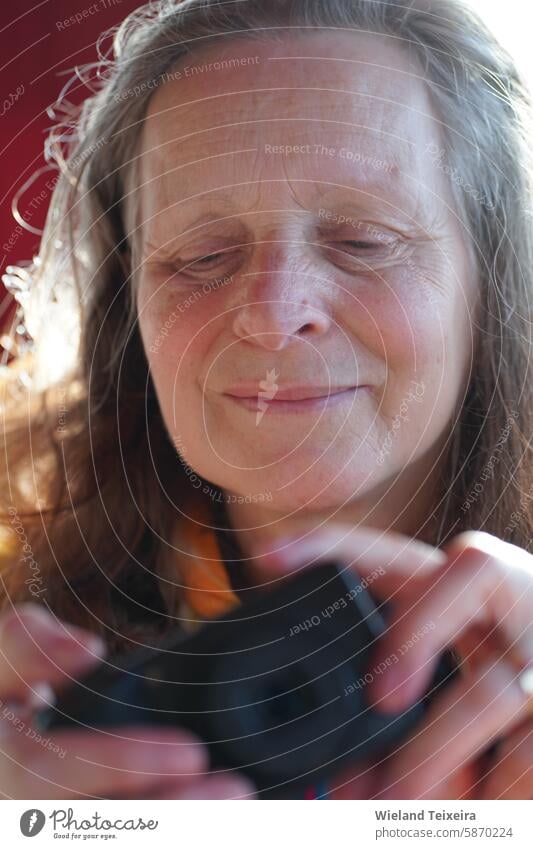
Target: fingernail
(526, 681)
(73, 640)
(437, 557)
(278, 558)
(289, 550)
(42, 695)
(93, 643)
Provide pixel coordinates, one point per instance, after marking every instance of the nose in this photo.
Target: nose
(279, 299)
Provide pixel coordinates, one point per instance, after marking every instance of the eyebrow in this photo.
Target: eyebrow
(338, 196)
(224, 212)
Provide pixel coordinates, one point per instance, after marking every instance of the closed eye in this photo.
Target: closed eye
(205, 267)
(362, 246)
(353, 248)
(206, 260)
(380, 246)
(359, 255)
(359, 245)
(203, 261)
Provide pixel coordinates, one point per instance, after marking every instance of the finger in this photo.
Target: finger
(511, 771)
(237, 786)
(36, 647)
(393, 556)
(457, 727)
(97, 764)
(476, 591)
(229, 786)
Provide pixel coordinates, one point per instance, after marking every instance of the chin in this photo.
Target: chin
(310, 491)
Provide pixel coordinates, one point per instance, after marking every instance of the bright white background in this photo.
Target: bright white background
(511, 22)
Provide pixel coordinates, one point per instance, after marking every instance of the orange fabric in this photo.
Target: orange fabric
(207, 588)
(206, 585)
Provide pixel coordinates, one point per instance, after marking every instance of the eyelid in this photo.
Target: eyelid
(364, 244)
(200, 253)
(226, 261)
(202, 261)
(367, 246)
(378, 255)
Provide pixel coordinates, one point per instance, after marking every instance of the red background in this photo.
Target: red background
(36, 49)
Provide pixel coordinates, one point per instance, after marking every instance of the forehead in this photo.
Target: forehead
(335, 112)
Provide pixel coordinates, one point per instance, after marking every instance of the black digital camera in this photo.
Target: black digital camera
(276, 688)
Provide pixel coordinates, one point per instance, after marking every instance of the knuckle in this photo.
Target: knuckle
(477, 554)
(471, 545)
(478, 548)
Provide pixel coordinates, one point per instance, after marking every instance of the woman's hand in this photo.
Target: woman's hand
(475, 595)
(37, 653)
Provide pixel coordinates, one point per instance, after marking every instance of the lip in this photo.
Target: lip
(289, 393)
(296, 405)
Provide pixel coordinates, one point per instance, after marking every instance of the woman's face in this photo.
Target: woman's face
(297, 240)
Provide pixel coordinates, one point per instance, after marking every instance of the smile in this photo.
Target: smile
(272, 406)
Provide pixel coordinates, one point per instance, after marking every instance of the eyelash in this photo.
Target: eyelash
(373, 250)
(360, 245)
(206, 257)
(206, 262)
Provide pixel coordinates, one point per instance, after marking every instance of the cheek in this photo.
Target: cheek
(174, 325)
(422, 337)
(412, 328)
(177, 330)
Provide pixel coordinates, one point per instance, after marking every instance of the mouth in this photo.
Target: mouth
(295, 400)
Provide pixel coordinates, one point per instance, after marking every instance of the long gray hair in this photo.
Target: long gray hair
(112, 448)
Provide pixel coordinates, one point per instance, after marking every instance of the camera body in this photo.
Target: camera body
(276, 688)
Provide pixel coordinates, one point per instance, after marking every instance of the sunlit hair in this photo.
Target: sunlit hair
(91, 473)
